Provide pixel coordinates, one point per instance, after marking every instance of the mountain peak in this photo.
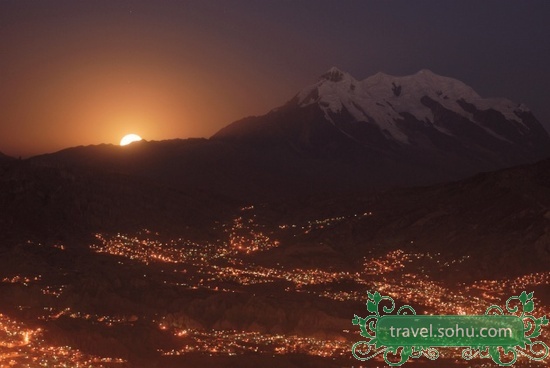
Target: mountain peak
(385, 100)
(437, 80)
(439, 121)
(426, 72)
(335, 75)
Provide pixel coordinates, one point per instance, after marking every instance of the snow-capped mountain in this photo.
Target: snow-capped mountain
(383, 99)
(423, 120)
(337, 136)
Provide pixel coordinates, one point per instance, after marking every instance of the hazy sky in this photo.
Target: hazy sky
(88, 72)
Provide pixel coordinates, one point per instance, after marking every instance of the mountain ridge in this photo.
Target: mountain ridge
(423, 120)
(383, 92)
(4, 157)
(309, 146)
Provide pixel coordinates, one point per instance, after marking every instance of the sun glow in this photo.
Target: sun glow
(129, 138)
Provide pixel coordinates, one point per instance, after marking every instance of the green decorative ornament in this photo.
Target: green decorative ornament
(496, 335)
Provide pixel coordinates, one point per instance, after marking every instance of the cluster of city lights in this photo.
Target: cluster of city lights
(22, 346)
(151, 250)
(399, 259)
(230, 342)
(24, 280)
(227, 265)
(54, 290)
(51, 314)
(415, 288)
(245, 236)
(515, 285)
(223, 266)
(319, 224)
(297, 276)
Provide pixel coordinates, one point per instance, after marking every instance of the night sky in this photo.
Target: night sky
(88, 72)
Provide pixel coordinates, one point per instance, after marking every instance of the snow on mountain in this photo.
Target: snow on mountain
(383, 98)
(419, 128)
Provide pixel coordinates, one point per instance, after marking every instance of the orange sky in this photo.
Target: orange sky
(94, 77)
(93, 103)
(100, 95)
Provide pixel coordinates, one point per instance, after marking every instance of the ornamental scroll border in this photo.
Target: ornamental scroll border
(371, 347)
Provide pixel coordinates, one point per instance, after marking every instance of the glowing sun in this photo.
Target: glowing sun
(129, 138)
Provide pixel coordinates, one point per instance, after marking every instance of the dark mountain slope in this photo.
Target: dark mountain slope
(501, 220)
(341, 136)
(428, 127)
(58, 203)
(242, 172)
(5, 158)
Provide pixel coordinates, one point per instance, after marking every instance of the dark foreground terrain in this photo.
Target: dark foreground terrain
(99, 268)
